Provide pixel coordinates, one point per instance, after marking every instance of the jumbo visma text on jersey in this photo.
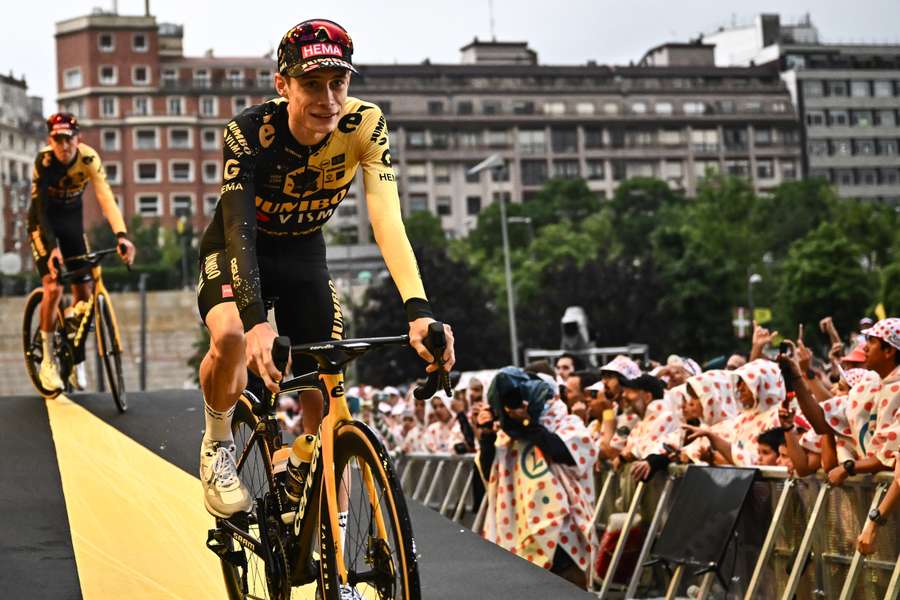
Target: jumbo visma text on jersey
(300, 187)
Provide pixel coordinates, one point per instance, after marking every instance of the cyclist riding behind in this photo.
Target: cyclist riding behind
(287, 164)
(62, 171)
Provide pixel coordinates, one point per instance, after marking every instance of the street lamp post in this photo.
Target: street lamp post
(495, 161)
(752, 279)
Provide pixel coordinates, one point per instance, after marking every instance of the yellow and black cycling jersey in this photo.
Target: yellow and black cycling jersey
(275, 188)
(57, 189)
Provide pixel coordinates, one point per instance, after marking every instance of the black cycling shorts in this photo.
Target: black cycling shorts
(68, 227)
(295, 281)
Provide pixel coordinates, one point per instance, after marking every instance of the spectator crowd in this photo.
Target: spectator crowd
(542, 435)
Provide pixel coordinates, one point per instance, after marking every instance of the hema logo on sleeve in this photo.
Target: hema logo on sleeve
(321, 50)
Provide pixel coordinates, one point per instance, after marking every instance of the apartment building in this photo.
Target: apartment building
(848, 96)
(22, 134)
(156, 115)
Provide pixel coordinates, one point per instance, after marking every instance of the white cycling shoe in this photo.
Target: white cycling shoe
(350, 593)
(49, 376)
(223, 492)
(346, 593)
(78, 377)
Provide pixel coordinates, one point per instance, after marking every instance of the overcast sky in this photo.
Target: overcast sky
(408, 31)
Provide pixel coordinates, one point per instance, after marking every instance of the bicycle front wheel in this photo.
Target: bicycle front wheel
(110, 352)
(254, 579)
(378, 545)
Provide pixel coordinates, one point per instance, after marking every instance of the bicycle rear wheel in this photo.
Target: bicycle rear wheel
(255, 471)
(110, 352)
(379, 549)
(33, 346)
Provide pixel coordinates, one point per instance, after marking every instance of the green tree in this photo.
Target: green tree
(457, 297)
(561, 199)
(822, 275)
(635, 211)
(424, 231)
(890, 289)
(793, 210)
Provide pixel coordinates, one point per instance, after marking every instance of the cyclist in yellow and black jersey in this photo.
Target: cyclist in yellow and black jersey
(62, 171)
(287, 165)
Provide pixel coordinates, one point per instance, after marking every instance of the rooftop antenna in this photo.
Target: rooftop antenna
(491, 10)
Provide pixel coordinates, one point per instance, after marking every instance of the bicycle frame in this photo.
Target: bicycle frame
(303, 525)
(98, 289)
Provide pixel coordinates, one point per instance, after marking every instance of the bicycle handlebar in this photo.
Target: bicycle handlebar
(435, 341)
(281, 352)
(92, 258)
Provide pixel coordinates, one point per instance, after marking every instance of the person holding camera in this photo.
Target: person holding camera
(537, 462)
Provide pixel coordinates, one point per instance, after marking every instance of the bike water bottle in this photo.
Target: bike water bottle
(298, 466)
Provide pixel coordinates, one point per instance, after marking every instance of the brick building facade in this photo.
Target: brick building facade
(156, 116)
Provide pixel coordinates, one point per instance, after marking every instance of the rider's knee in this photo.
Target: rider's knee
(51, 287)
(227, 340)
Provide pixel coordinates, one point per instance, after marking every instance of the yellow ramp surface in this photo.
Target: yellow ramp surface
(138, 523)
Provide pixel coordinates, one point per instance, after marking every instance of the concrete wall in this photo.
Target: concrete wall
(173, 326)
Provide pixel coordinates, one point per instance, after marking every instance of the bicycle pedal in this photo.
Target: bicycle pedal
(216, 541)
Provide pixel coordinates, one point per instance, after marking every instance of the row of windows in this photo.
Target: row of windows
(151, 170)
(536, 172)
(106, 41)
(107, 75)
(587, 107)
(853, 147)
(884, 176)
(852, 118)
(148, 138)
(175, 106)
(565, 140)
(142, 75)
(203, 77)
(842, 88)
(150, 204)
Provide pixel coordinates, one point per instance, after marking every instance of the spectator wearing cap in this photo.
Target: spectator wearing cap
(386, 420)
(875, 399)
(537, 463)
(858, 337)
(617, 422)
(647, 444)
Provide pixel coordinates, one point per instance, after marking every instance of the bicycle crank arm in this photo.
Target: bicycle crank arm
(228, 529)
(217, 541)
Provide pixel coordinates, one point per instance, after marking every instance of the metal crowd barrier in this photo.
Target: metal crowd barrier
(440, 481)
(795, 538)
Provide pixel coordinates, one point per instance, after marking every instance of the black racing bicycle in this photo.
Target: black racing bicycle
(70, 335)
(280, 544)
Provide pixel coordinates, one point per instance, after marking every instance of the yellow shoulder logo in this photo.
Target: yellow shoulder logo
(266, 135)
